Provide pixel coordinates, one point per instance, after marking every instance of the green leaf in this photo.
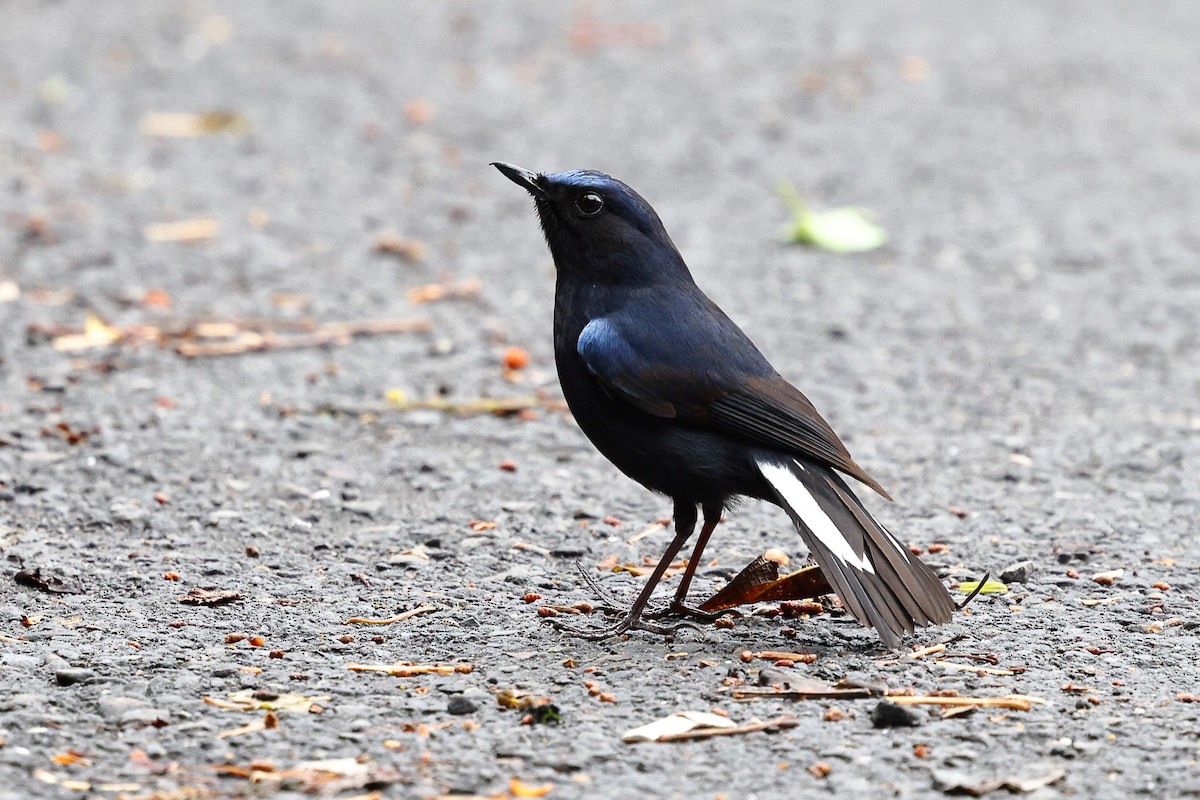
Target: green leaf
(839, 230)
(989, 587)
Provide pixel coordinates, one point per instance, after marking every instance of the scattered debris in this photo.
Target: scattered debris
(518, 788)
(955, 782)
(805, 688)
(419, 111)
(839, 230)
(415, 612)
(927, 651)
(407, 669)
(655, 527)
(269, 721)
(326, 334)
(326, 777)
(540, 711)
(777, 656)
(221, 338)
(699, 725)
(950, 665)
(197, 596)
(496, 406)
(1108, 578)
(43, 579)
(262, 700)
(184, 125)
(186, 231)
(393, 244)
(467, 289)
(516, 358)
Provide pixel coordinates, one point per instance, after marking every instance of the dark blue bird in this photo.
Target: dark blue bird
(679, 399)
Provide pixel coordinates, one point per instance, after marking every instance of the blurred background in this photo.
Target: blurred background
(1032, 169)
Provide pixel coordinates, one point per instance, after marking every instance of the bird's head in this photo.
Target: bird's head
(598, 228)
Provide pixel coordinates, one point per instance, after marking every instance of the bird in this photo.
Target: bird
(678, 398)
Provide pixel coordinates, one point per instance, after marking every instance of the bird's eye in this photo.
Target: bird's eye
(589, 204)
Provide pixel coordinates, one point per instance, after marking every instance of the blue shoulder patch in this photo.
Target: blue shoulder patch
(598, 343)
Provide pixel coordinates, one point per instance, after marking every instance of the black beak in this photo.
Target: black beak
(521, 177)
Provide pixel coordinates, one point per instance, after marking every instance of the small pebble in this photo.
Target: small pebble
(460, 705)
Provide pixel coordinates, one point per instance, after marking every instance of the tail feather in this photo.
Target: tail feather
(880, 582)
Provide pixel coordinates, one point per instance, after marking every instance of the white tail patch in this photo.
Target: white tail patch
(796, 494)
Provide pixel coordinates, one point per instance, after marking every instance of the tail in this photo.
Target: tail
(883, 585)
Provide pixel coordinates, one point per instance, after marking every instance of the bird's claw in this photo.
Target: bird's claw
(627, 624)
(610, 600)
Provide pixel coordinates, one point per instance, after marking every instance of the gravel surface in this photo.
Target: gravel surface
(1019, 366)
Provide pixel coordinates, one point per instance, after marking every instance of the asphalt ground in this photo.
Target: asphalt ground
(1018, 366)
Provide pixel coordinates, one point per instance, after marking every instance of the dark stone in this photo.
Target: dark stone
(70, 676)
(1017, 573)
(460, 705)
(890, 715)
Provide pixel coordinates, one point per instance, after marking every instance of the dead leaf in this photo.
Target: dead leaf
(679, 722)
(40, 578)
(1016, 702)
(956, 782)
(759, 582)
(197, 596)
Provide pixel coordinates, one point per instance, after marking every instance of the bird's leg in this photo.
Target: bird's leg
(685, 524)
(679, 606)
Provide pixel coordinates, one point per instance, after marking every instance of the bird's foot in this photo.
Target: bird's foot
(629, 622)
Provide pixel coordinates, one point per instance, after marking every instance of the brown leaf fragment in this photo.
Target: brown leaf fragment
(467, 289)
(46, 581)
(393, 244)
(759, 582)
(198, 596)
